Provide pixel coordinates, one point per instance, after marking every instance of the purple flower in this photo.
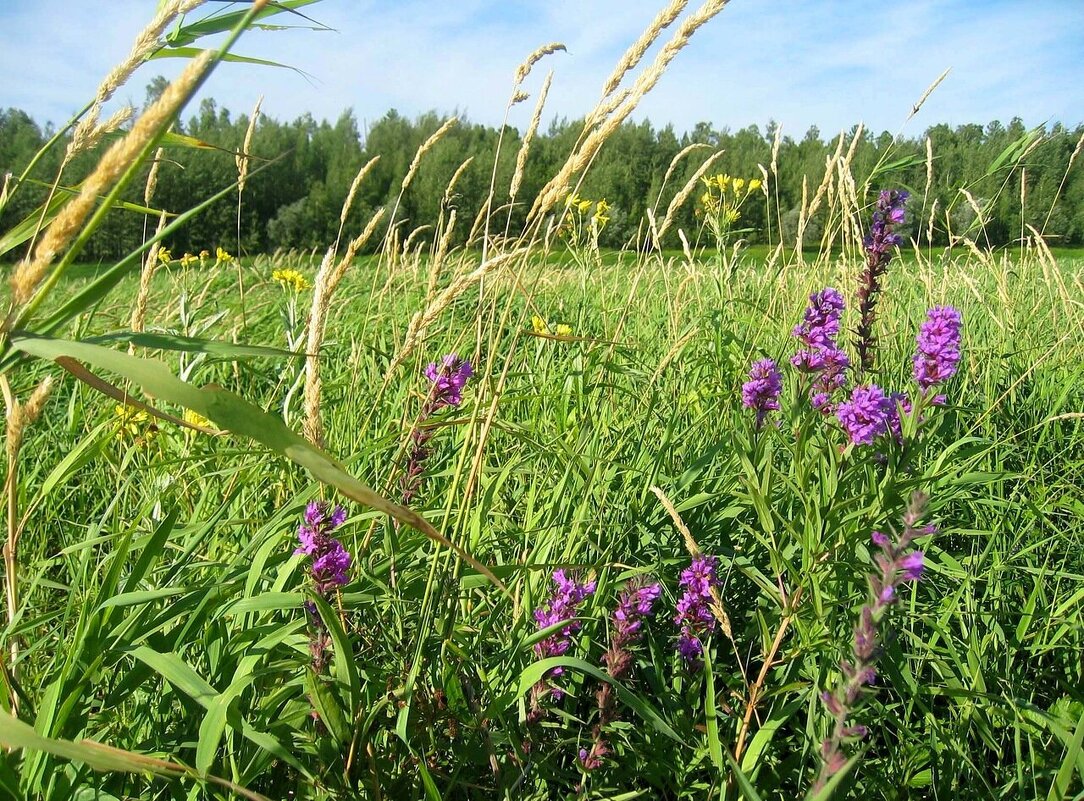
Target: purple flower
(866, 415)
(888, 212)
(820, 323)
(633, 605)
(694, 616)
(938, 351)
(449, 378)
(911, 565)
(330, 560)
(761, 391)
(562, 607)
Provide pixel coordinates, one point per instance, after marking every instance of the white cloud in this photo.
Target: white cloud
(830, 63)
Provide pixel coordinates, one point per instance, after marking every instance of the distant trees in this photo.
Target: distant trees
(295, 202)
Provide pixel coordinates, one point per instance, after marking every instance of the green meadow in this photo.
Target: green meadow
(897, 617)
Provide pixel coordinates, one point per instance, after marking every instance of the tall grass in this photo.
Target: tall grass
(156, 604)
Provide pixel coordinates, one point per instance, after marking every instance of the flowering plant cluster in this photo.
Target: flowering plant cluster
(695, 619)
(720, 204)
(447, 381)
(582, 224)
(562, 607)
(897, 564)
(868, 412)
(541, 327)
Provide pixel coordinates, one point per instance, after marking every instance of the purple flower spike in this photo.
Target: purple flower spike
(562, 607)
(330, 560)
(449, 378)
(938, 347)
(761, 392)
(865, 417)
(889, 212)
(694, 616)
(822, 357)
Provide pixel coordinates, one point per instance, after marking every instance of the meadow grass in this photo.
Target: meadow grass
(165, 638)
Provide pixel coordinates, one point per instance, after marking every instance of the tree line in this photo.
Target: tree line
(305, 169)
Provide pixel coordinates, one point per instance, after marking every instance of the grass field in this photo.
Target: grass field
(494, 514)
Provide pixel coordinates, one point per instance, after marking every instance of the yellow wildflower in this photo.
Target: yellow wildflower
(187, 259)
(739, 184)
(600, 217)
(135, 424)
(204, 255)
(755, 184)
(222, 256)
(196, 419)
(564, 330)
(291, 279)
(538, 325)
(732, 215)
(164, 255)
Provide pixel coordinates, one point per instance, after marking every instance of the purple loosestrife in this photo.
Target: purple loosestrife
(447, 380)
(882, 238)
(330, 563)
(560, 608)
(634, 606)
(938, 351)
(867, 415)
(822, 358)
(694, 616)
(761, 392)
(897, 564)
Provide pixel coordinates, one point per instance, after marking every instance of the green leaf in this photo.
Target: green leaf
(233, 413)
(536, 670)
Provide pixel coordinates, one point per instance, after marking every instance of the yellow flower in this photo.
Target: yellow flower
(164, 255)
(196, 419)
(222, 256)
(572, 200)
(564, 330)
(732, 215)
(739, 184)
(755, 184)
(583, 206)
(135, 424)
(291, 279)
(204, 255)
(538, 325)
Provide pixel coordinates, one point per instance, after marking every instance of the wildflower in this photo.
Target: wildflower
(601, 215)
(448, 380)
(221, 256)
(897, 564)
(822, 358)
(562, 607)
(187, 259)
(563, 330)
(938, 351)
(739, 184)
(538, 325)
(330, 560)
(755, 184)
(634, 605)
(866, 415)
(761, 391)
(888, 213)
(694, 616)
(291, 279)
(204, 255)
(164, 255)
(135, 424)
(196, 419)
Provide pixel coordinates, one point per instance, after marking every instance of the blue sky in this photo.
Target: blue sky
(829, 63)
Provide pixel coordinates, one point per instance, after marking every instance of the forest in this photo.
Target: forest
(303, 169)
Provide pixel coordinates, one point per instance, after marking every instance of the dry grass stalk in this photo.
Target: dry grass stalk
(139, 311)
(528, 137)
(242, 157)
(29, 272)
(449, 191)
(929, 91)
(636, 51)
(524, 69)
(682, 196)
(585, 153)
(23, 415)
(145, 44)
(438, 258)
(152, 177)
(427, 145)
(349, 202)
(117, 119)
(423, 319)
(326, 282)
